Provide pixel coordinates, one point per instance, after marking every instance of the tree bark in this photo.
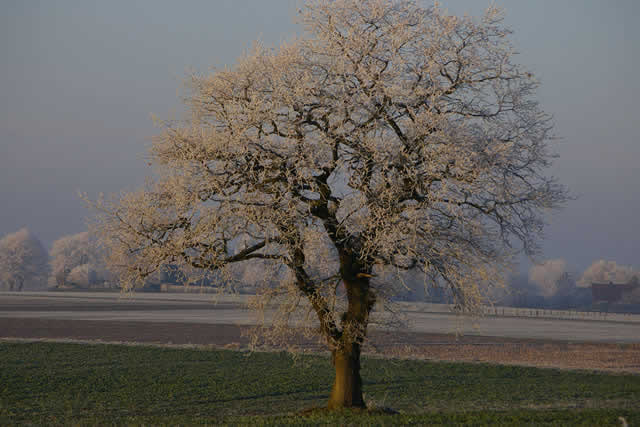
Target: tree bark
(347, 386)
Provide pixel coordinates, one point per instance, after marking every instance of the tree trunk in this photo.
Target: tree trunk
(347, 386)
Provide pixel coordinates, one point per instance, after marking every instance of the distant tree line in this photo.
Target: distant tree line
(549, 284)
(74, 261)
(77, 261)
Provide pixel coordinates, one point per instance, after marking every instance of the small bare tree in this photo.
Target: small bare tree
(23, 262)
(389, 138)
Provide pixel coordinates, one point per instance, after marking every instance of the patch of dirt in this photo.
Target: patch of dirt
(510, 351)
(414, 345)
(126, 331)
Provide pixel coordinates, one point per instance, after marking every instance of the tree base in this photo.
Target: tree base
(360, 411)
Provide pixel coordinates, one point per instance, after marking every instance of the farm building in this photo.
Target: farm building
(616, 293)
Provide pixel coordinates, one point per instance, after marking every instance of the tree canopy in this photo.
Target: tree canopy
(389, 137)
(76, 261)
(23, 262)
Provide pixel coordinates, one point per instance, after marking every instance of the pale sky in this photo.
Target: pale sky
(80, 79)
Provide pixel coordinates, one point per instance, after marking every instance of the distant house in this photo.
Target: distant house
(616, 293)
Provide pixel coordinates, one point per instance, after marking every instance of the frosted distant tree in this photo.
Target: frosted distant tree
(76, 260)
(548, 275)
(23, 262)
(82, 276)
(603, 271)
(67, 253)
(390, 138)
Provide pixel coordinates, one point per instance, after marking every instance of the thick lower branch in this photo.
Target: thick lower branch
(328, 326)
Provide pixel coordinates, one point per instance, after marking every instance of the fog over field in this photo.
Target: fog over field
(230, 310)
(76, 262)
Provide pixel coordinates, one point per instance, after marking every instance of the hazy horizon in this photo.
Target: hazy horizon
(79, 82)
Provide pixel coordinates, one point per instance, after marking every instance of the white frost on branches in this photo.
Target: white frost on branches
(390, 138)
(76, 261)
(23, 262)
(546, 276)
(603, 271)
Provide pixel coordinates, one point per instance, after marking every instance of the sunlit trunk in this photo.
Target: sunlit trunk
(347, 386)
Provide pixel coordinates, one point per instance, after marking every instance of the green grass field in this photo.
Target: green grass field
(52, 383)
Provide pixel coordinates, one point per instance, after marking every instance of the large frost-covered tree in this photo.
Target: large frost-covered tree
(23, 262)
(388, 138)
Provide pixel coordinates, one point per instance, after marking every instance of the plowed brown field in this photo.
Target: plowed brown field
(529, 352)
